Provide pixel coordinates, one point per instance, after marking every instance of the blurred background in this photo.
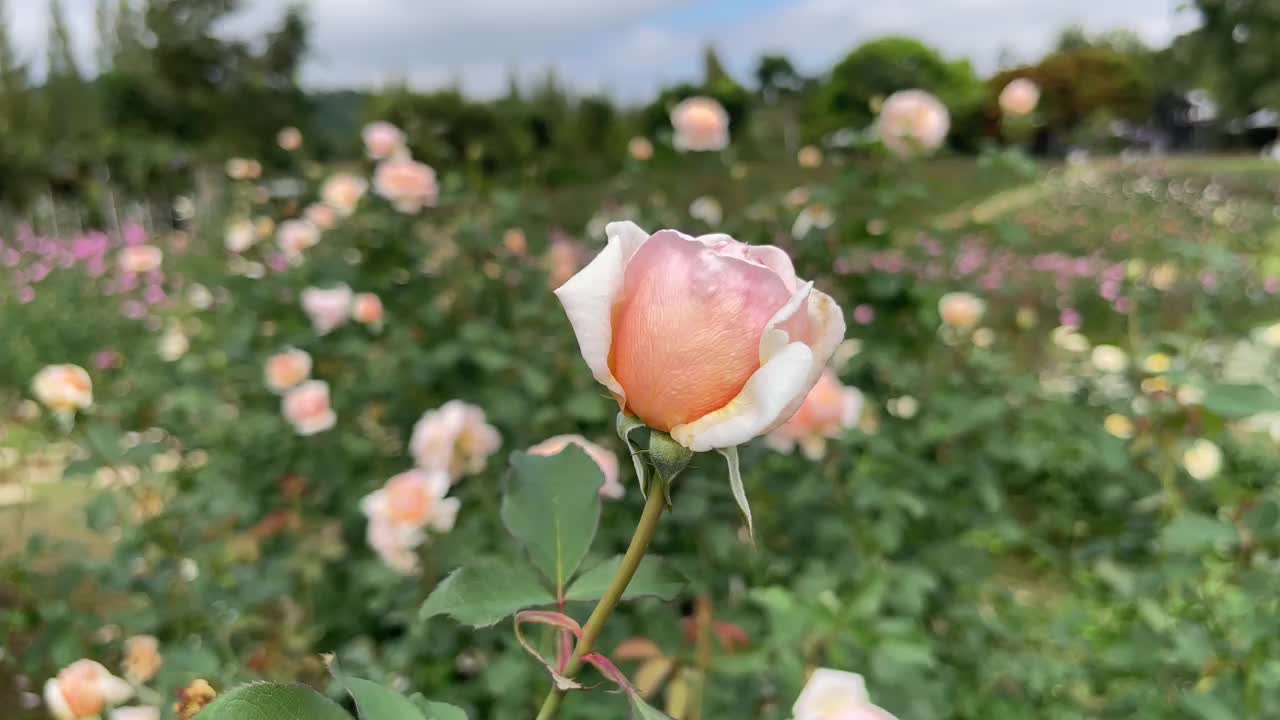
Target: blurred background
(1049, 488)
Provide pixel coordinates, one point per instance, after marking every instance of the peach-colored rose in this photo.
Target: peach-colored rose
(289, 139)
(836, 695)
(961, 310)
(321, 215)
(639, 148)
(382, 140)
(241, 235)
(700, 123)
(84, 689)
(606, 460)
(285, 370)
(342, 192)
(454, 439)
(63, 388)
(140, 259)
(142, 659)
(515, 242)
(408, 184)
(394, 545)
(401, 511)
(1019, 97)
(810, 156)
(709, 339)
(297, 236)
(912, 122)
(328, 308)
(366, 308)
(828, 410)
(564, 257)
(243, 169)
(307, 408)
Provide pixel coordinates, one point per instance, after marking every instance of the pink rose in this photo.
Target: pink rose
(912, 122)
(606, 460)
(366, 308)
(328, 308)
(285, 370)
(320, 215)
(142, 659)
(297, 236)
(836, 695)
(707, 338)
(828, 410)
(342, 192)
(84, 689)
(382, 140)
(454, 439)
(394, 545)
(401, 511)
(700, 123)
(1019, 97)
(289, 139)
(63, 388)
(307, 408)
(139, 259)
(409, 185)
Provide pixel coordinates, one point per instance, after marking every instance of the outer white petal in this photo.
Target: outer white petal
(774, 392)
(115, 689)
(445, 514)
(588, 299)
(825, 685)
(55, 702)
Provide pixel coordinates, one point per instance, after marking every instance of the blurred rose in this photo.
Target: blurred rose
(1202, 460)
(454, 439)
(320, 215)
(409, 185)
(243, 169)
(382, 140)
(366, 308)
(912, 122)
(1157, 363)
(1118, 426)
(394, 546)
(241, 235)
(961, 310)
(174, 343)
(606, 460)
(139, 259)
(828, 410)
(63, 388)
(265, 226)
(289, 139)
(836, 695)
(342, 192)
(707, 209)
(1019, 97)
(142, 658)
(84, 689)
(1109, 359)
(307, 408)
(639, 148)
(810, 156)
(287, 369)
(564, 258)
(297, 236)
(707, 338)
(137, 712)
(1270, 336)
(700, 124)
(328, 308)
(1164, 276)
(515, 242)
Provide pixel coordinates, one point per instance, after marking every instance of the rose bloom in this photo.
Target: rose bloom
(137, 712)
(366, 308)
(394, 545)
(1118, 426)
(142, 658)
(296, 236)
(828, 410)
(1109, 359)
(320, 215)
(241, 235)
(564, 257)
(63, 388)
(243, 169)
(961, 310)
(711, 340)
(912, 122)
(639, 148)
(342, 192)
(287, 369)
(454, 439)
(328, 308)
(382, 140)
(1019, 97)
(810, 156)
(138, 259)
(402, 509)
(612, 488)
(307, 408)
(514, 240)
(1202, 460)
(84, 689)
(289, 139)
(700, 123)
(836, 695)
(408, 184)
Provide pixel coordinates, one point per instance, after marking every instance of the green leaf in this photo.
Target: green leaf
(735, 484)
(1237, 401)
(553, 509)
(654, 578)
(375, 702)
(1208, 706)
(443, 711)
(1193, 532)
(641, 710)
(271, 701)
(486, 591)
(625, 425)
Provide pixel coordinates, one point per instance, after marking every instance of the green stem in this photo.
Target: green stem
(645, 530)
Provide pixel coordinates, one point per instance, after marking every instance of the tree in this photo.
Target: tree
(1240, 38)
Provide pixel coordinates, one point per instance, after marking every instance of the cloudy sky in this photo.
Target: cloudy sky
(631, 47)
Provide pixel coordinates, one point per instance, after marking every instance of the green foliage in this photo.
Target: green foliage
(263, 701)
